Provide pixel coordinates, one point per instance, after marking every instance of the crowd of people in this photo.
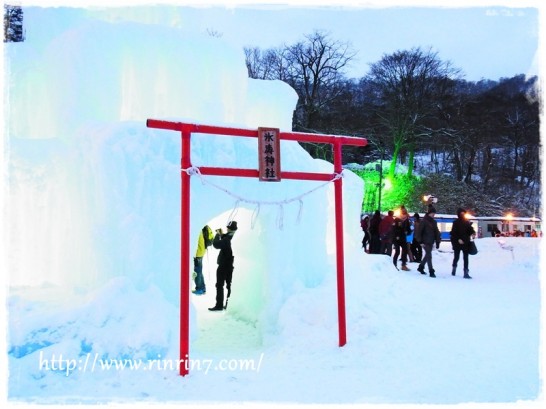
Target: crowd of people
(406, 239)
(399, 236)
(412, 239)
(516, 233)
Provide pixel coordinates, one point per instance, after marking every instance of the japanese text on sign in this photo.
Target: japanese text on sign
(269, 154)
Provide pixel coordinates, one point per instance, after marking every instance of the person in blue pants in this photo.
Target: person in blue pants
(203, 242)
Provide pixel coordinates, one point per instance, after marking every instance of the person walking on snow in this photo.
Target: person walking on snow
(401, 229)
(203, 242)
(426, 234)
(365, 224)
(461, 234)
(224, 272)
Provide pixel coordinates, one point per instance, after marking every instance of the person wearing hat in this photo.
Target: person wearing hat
(461, 234)
(224, 272)
(427, 233)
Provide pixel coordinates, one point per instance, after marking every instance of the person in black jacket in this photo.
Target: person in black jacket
(461, 234)
(401, 229)
(224, 272)
(426, 234)
(375, 243)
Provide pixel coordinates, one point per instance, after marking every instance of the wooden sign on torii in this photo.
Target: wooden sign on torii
(263, 173)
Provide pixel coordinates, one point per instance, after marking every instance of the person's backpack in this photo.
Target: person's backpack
(206, 237)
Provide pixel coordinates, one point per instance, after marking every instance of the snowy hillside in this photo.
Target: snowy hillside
(411, 339)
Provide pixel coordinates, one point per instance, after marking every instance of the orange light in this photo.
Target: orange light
(509, 216)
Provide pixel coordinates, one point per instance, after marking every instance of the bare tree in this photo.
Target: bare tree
(410, 86)
(265, 65)
(315, 70)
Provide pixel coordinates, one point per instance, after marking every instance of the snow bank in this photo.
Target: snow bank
(94, 194)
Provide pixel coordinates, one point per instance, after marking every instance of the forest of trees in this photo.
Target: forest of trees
(477, 144)
(13, 23)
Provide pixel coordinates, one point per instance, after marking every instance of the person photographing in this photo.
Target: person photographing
(224, 272)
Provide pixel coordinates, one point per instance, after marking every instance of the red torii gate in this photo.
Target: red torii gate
(186, 130)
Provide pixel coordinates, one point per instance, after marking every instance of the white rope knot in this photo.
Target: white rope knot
(192, 170)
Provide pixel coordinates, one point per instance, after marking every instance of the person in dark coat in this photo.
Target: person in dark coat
(416, 248)
(224, 272)
(461, 234)
(495, 232)
(401, 229)
(375, 243)
(427, 234)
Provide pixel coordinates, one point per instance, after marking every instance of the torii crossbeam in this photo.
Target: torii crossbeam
(186, 131)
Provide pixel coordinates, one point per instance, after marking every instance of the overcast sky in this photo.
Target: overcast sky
(484, 38)
(485, 42)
